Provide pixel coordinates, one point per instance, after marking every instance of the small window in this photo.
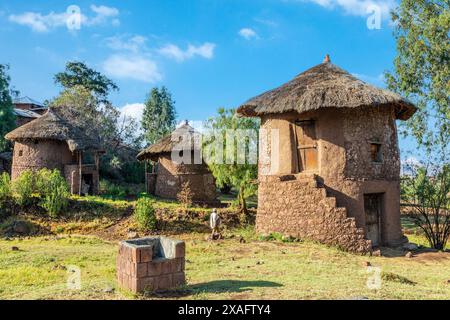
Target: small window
(375, 152)
(20, 153)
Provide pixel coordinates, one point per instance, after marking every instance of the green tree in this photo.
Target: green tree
(226, 135)
(427, 189)
(79, 74)
(159, 115)
(7, 117)
(422, 69)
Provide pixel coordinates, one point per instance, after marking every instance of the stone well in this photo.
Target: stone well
(151, 264)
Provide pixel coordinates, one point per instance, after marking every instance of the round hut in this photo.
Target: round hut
(329, 162)
(52, 142)
(176, 159)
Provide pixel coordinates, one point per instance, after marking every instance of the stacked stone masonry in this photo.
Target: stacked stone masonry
(151, 264)
(295, 205)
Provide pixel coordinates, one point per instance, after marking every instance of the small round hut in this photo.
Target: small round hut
(175, 160)
(52, 142)
(329, 162)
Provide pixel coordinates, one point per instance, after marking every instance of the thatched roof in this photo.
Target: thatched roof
(54, 126)
(324, 86)
(184, 134)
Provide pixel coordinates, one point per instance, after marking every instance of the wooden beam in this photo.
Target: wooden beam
(80, 171)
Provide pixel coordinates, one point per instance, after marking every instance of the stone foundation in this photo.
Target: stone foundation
(151, 264)
(294, 205)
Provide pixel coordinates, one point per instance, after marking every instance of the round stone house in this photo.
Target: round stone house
(176, 159)
(329, 162)
(52, 142)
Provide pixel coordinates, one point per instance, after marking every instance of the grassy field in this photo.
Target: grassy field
(225, 269)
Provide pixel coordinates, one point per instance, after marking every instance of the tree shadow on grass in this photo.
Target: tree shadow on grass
(235, 286)
(219, 286)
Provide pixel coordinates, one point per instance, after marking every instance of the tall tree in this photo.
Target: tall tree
(159, 115)
(79, 74)
(230, 142)
(7, 117)
(422, 69)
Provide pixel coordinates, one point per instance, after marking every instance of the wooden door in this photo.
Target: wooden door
(305, 132)
(372, 209)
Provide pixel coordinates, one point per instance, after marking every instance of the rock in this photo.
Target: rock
(241, 239)
(376, 253)
(21, 227)
(409, 255)
(366, 264)
(260, 263)
(59, 267)
(15, 248)
(448, 281)
(108, 289)
(410, 246)
(132, 235)
(359, 298)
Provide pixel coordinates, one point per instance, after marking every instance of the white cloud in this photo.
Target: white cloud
(174, 52)
(133, 110)
(134, 43)
(132, 67)
(357, 7)
(248, 33)
(39, 22)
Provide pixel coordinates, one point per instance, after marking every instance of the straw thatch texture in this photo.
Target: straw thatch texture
(181, 138)
(54, 126)
(325, 86)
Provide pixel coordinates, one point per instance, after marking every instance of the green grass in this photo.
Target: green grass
(225, 269)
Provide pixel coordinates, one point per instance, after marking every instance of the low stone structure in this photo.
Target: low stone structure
(329, 162)
(151, 264)
(52, 142)
(168, 175)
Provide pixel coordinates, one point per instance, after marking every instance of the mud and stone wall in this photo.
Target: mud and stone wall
(345, 168)
(38, 154)
(51, 154)
(171, 176)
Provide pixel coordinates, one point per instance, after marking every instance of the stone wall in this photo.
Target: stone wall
(345, 168)
(36, 155)
(171, 176)
(151, 264)
(294, 205)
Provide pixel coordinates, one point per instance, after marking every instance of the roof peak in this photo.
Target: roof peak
(327, 59)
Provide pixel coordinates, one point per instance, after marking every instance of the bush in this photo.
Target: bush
(113, 190)
(185, 196)
(54, 191)
(144, 214)
(5, 195)
(23, 188)
(46, 188)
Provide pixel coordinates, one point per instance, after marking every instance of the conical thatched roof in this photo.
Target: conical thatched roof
(54, 126)
(185, 134)
(325, 86)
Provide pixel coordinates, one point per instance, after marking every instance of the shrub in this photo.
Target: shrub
(185, 196)
(23, 188)
(54, 191)
(113, 190)
(144, 214)
(5, 195)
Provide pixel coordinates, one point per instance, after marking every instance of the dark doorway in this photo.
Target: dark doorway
(88, 184)
(305, 132)
(373, 211)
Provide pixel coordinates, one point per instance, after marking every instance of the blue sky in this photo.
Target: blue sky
(209, 53)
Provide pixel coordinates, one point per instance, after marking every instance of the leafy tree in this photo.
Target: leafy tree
(427, 190)
(7, 117)
(79, 74)
(422, 69)
(222, 143)
(159, 115)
